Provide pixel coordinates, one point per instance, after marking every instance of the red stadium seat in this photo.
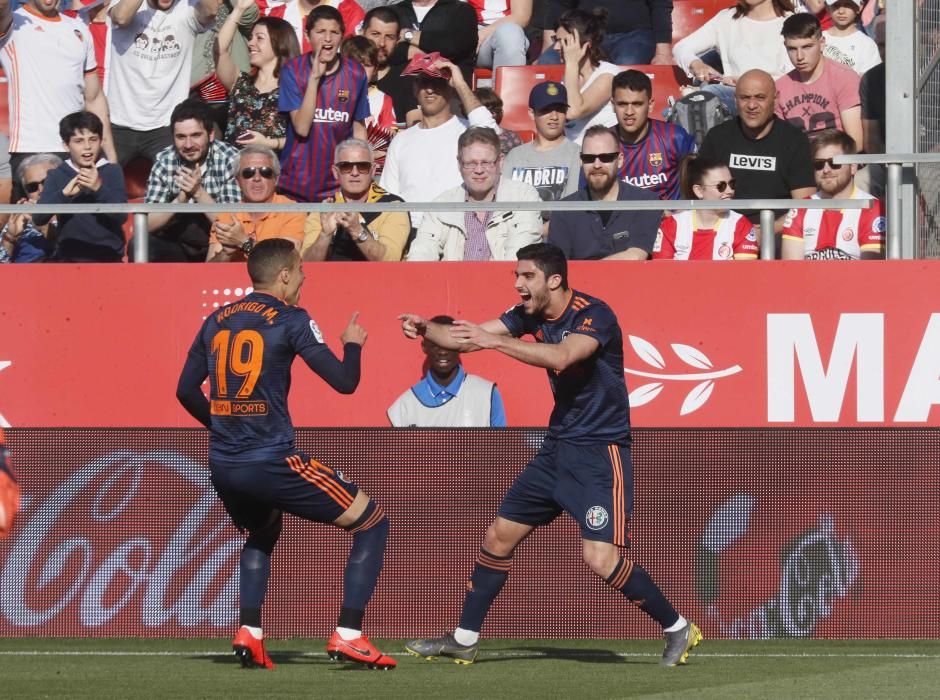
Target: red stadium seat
(513, 84)
(482, 77)
(135, 177)
(689, 15)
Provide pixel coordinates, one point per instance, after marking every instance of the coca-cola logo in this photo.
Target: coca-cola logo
(131, 538)
(817, 569)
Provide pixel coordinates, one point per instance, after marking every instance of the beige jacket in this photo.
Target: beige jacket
(442, 235)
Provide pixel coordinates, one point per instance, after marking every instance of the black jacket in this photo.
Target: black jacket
(450, 27)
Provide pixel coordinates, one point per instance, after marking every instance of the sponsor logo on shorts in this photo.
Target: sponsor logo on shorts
(596, 518)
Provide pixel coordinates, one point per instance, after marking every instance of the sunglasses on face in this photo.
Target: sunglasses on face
(361, 166)
(820, 163)
(724, 185)
(588, 158)
(265, 172)
(34, 186)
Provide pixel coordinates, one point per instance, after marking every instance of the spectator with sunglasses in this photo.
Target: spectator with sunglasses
(605, 235)
(233, 236)
(706, 234)
(847, 234)
(21, 240)
(349, 235)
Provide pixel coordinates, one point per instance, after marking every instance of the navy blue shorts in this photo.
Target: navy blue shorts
(592, 483)
(296, 484)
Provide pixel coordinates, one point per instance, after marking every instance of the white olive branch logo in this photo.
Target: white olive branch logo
(693, 357)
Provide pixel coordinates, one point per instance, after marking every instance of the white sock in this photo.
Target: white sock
(466, 637)
(680, 624)
(347, 634)
(255, 632)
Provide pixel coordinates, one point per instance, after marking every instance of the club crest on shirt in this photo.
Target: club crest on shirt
(724, 251)
(848, 234)
(342, 95)
(656, 160)
(596, 518)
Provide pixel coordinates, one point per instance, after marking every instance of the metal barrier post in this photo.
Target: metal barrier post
(141, 239)
(768, 241)
(894, 212)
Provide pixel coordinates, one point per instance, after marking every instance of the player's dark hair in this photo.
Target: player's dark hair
(324, 12)
(550, 259)
(802, 25)
(383, 13)
(360, 49)
(192, 109)
(781, 8)
(443, 319)
(692, 171)
(268, 258)
(72, 123)
(633, 80)
(600, 130)
(283, 40)
(478, 134)
(834, 137)
(590, 27)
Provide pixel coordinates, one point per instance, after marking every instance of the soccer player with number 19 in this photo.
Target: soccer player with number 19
(583, 466)
(246, 349)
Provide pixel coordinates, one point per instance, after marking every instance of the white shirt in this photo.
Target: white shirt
(422, 163)
(857, 51)
(45, 60)
(744, 44)
(606, 116)
(148, 65)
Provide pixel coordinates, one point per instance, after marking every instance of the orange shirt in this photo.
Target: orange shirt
(280, 224)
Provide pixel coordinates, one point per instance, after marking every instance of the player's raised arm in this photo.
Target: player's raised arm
(343, 375)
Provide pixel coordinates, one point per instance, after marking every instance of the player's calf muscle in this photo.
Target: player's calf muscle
(601, 557)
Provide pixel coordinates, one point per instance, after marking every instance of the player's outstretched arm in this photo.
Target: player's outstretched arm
(189, 389)
(573, 349)
(414, 326)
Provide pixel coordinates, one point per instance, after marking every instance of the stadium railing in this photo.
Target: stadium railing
(896, 164)
(767, 207)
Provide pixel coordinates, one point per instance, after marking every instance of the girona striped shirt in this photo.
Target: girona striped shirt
(294, 14)
(680, 238)
(653, 162)
(342, 98)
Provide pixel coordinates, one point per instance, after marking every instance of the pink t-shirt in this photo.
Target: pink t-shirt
(813, 107)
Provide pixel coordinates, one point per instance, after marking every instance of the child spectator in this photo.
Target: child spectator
(381, 109)
(85, 178)
(508, 140)
(845, 42)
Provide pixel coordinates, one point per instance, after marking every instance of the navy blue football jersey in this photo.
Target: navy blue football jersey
(591, 403)
(247, 348)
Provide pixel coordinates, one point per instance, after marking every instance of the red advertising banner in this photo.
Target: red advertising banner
(755, 534)
(706, 344)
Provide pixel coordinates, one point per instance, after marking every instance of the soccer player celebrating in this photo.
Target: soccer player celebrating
(584, 465)
(246, 349)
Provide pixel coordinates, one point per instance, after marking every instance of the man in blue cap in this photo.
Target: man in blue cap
(551, 163)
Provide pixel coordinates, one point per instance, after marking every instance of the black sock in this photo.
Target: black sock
(489, 575)
(633, 581)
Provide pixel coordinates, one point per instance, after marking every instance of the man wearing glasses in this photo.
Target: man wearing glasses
(233, 236)
(605, 235)
(350, 235)
(22, 240)
(479, 235)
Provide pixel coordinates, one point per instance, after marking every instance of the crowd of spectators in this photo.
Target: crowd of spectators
(309, 101)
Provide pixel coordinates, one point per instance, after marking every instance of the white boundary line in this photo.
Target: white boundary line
(496, 654)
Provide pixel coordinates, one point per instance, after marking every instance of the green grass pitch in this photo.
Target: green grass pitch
(588, 669)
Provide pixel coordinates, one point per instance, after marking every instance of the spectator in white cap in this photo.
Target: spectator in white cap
(845, 42)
